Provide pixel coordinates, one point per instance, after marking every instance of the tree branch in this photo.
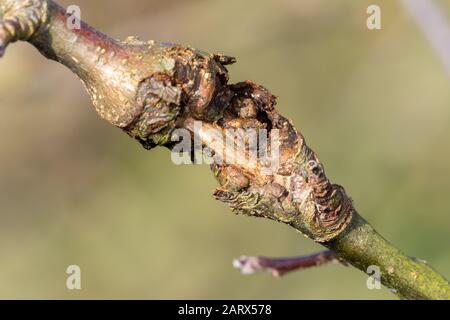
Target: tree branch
(150, 89)
(280, 266)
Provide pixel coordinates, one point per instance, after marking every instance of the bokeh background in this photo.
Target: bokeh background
(375, 105)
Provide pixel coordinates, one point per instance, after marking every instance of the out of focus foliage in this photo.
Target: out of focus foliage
(74, 190)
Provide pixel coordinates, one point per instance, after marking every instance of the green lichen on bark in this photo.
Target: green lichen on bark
(409, 278)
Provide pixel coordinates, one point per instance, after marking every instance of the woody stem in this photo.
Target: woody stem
(148, 90)
(280, 266)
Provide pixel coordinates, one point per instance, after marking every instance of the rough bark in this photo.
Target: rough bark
(150, 89)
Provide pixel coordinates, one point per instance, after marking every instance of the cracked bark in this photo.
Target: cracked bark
(149, 89)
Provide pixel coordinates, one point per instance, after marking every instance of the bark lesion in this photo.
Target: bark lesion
(203, 79)
(297, 192)
(333, 208)
(159, 100)
(193, 85)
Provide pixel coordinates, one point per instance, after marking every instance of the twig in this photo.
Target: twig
(280, 266)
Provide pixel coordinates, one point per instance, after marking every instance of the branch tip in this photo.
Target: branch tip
(280, 266)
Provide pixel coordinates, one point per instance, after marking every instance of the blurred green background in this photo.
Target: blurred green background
(74, 190)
